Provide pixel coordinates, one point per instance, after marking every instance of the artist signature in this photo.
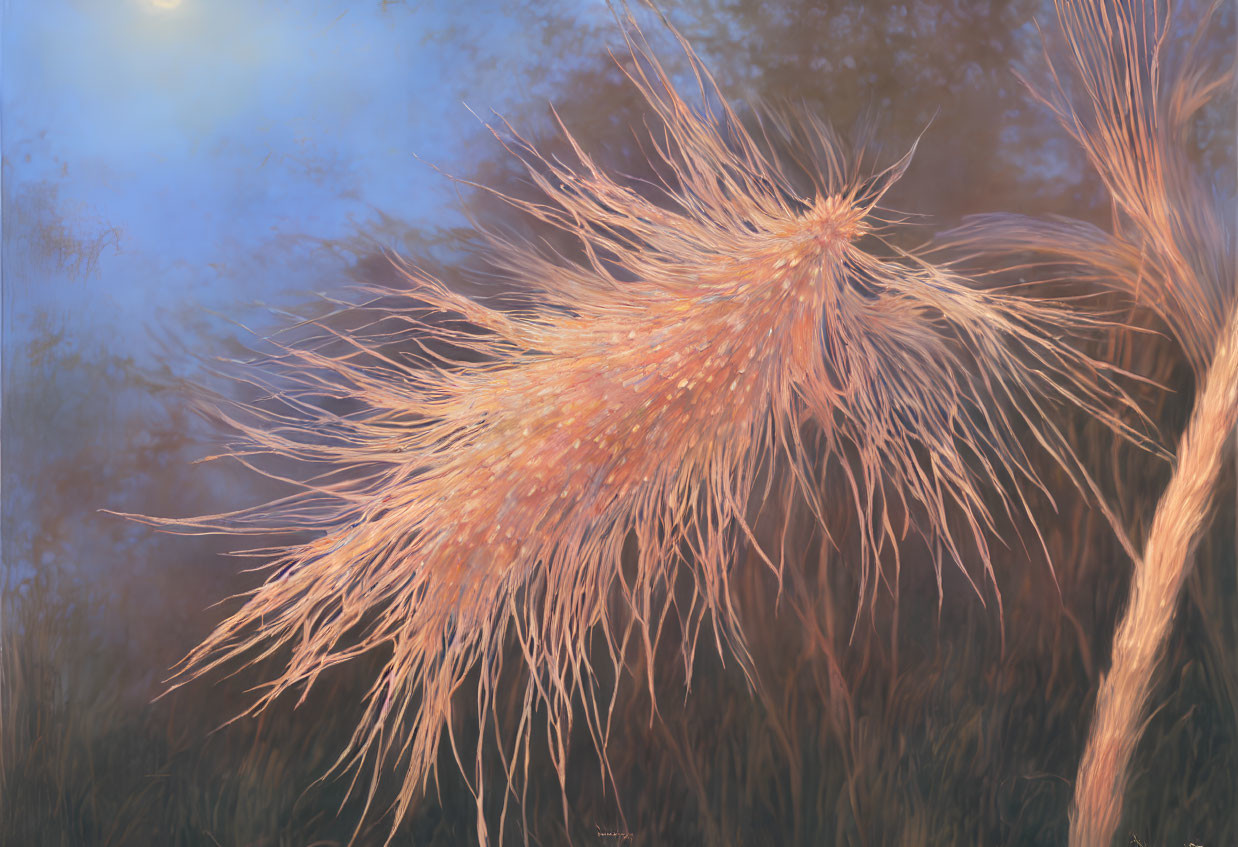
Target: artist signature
(624, 836)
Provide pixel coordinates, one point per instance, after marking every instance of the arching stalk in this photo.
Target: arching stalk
(1156, 586)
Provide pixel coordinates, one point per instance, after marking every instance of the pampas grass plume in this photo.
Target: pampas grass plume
(497, 470)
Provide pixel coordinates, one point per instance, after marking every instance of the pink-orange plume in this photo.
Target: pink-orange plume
(531, 477)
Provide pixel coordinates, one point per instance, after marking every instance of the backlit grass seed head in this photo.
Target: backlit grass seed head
(489, 479)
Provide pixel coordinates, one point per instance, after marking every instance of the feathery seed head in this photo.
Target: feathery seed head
(494, 476)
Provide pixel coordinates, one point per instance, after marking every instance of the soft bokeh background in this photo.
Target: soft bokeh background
(180, 175)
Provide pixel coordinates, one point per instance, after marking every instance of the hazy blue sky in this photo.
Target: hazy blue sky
(168, 161)
(197, 143)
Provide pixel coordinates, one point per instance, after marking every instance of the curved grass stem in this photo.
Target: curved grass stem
(1140, 640)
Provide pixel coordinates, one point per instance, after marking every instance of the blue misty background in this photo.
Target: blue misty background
(170, 163)
(199, 144)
